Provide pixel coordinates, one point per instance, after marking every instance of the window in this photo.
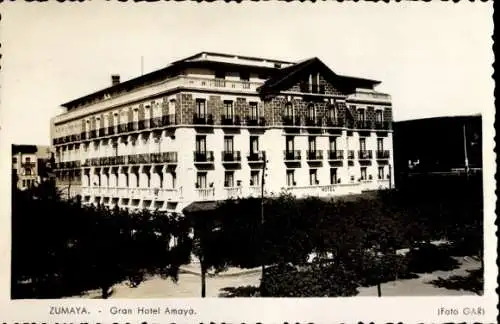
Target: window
(313, 177)
(254, 178)
(312, 144)
(289, 143)
(14, 160)
(289, 110)
(28, 171)
(361, 115)
(315, 83)
(244, 76)
(277, 65)
(333, 143)
(254, 112)
(381, 173)
(362, 144)
(201, 144)
(228, 109)
(333, 176)
(254, 144)
(229, 179)
(290, 178)
(332, 112)
(380, 144)
(228, 144)
(378, 116)
(201, 180)
(24, 183)
(201, 109)
(126, 180)
(363, 173)
(28, 160)
(174, 179)
(220, 74)
(311, 112)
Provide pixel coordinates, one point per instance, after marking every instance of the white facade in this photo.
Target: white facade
(156, 167)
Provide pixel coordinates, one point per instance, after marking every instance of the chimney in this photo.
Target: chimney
(115, 79)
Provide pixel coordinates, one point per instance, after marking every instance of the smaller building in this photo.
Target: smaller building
(31, 165)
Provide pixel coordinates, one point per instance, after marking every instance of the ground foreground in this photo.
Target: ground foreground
(189, 284)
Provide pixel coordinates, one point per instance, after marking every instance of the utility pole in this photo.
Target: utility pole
(465, 153)
(262, 217)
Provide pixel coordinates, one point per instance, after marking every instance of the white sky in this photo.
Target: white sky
(433, 58)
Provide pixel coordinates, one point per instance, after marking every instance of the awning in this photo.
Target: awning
(200, 206)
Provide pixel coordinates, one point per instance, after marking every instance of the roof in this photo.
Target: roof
(252, 58)
(163, 72)
(286, 77)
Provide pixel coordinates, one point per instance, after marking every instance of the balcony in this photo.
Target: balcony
(231, 156)
(364, 124)
(334, 122)
(132, 159)
(365, 154)
(204, 157)
(315, 155)
(144, 158)
(335, 155)
(383, 154)
(291, 121)
(256, 156)
(230, 120)
(202, 119)
(204, 194)
(313, 122)
(291, 155)
(28, 165)
(382, 125)
(232, 192)
(123, 128)
(254, 121)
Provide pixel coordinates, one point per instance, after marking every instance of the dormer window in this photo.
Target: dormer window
(277, 65)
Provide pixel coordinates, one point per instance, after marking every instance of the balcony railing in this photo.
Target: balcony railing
(291, 121)
(28, 164)
(292, 155)
(93, 134)
(364, 124)
(314, 155)
(383, 154)
(335, 155)
(334, 122)
(204, 157)
(256, 156)
(254, 121)
(202, 119)
(101, 132)
(382, 125)
(313, 121)
(230, 120)
(365, 154)
(231, 156)
(350, 155)
(205, 193)
(232, 192)
(144, 158)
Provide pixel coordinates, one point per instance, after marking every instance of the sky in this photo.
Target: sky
(434, 59)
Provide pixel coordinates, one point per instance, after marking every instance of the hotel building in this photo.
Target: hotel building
(204, 128)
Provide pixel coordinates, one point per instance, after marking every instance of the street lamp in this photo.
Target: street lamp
(262, 216)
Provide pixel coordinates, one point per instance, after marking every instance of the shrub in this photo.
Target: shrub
(429, 258)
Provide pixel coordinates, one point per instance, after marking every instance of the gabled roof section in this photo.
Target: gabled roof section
(287, 77)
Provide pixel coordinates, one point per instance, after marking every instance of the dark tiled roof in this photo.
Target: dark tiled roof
(287, 76)
(200, 206)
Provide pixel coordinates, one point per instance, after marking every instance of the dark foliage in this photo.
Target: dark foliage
(428, 258)
(473, 282)
(62, 248)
